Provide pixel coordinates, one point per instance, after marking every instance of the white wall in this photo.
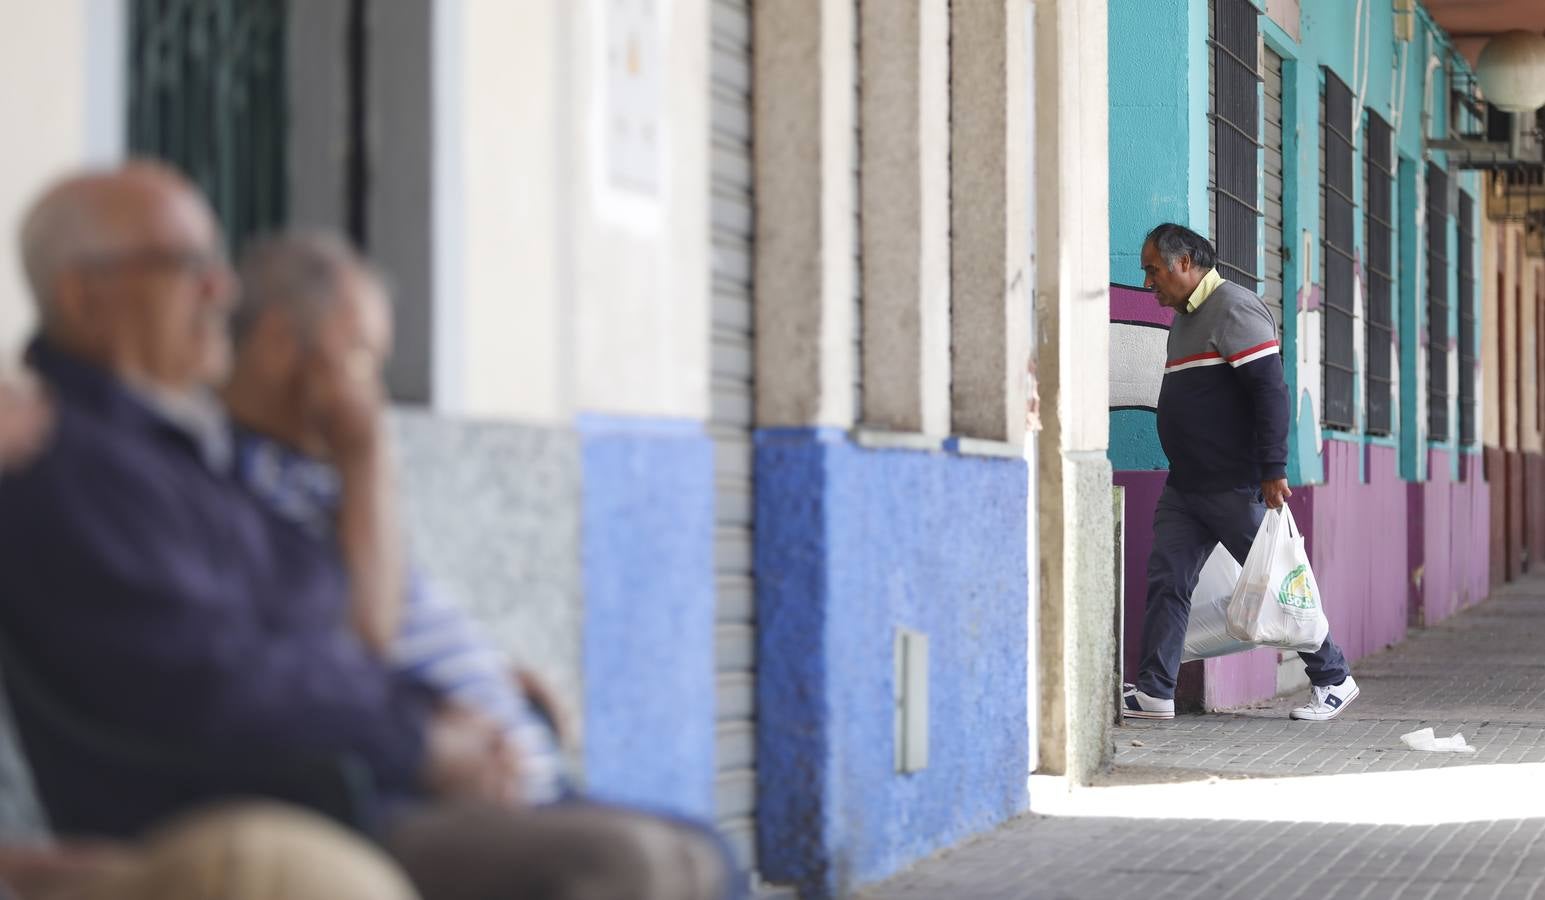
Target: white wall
(639, 265)
(559, 288)
(61, 62)
(500, 339)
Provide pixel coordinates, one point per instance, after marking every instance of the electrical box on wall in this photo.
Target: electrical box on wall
(911, 690)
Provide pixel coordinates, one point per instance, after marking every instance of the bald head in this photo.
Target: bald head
(94, 215)
(126, 268)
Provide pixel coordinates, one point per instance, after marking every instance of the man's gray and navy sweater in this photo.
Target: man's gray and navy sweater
(1223, 405)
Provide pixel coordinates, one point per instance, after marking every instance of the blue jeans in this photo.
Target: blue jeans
(1185, 528)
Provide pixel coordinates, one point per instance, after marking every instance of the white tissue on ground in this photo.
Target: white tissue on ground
(1425, 740)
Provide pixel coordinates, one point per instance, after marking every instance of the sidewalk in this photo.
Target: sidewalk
(1251, 804)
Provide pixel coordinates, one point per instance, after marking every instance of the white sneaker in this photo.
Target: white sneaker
(1137, 705)
(1326, 703)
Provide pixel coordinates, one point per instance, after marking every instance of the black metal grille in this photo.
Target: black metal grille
(1235, 119)
(1437, 303)
(1466, 302)
(1336, 253)
(1378, 196)
(207, 93)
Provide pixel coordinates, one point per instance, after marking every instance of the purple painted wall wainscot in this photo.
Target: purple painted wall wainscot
(1453, 571)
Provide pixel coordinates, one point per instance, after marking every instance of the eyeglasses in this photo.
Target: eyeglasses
(195, 262)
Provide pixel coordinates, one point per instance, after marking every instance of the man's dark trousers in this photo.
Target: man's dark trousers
(1185, 528)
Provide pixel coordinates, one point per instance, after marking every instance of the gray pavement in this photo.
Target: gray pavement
(1251, 804)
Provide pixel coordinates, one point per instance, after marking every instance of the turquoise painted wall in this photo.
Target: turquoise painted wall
(1157, 120)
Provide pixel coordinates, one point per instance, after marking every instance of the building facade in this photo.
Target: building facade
(749, 361)
(1330, 149)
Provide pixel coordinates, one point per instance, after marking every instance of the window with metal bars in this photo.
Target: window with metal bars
(1379, 215)
(1466, 302)
(207, 93)
(1437, 303)
(1235, 120)
(1336, 208)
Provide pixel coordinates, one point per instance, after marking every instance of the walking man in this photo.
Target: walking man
(1223, 423)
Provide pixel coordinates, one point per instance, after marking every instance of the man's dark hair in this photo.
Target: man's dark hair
(1174, 241)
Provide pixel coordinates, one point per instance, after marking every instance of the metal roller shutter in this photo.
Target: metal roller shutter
(730, 422)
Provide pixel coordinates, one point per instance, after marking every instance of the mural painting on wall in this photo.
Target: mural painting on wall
(1139, 331)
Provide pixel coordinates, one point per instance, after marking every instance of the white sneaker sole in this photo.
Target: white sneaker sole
(1304, 714)
(1145, 714)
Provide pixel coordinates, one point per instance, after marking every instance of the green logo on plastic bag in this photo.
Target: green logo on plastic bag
(1295, 592)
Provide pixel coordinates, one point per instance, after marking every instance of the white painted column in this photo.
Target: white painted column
(804, 214)
(1077, 643)
(905, 197)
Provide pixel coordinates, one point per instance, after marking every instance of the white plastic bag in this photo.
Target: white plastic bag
(1277, 602)
(1207, 630)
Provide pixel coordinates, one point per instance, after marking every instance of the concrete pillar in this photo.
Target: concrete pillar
(1077, 589)
(989, 254)
(905, 196)
(804, 214)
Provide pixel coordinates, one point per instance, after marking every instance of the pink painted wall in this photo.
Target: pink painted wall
(1357, 536)
(1453, 571)
(1142, 498)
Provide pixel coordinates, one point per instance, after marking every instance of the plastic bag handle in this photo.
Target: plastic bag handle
(1287, 515)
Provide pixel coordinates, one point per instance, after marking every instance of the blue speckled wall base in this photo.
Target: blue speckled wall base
(647, 560)
(851, 544)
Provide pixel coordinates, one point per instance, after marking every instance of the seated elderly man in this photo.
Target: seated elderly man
(160, 600)
(313, 334)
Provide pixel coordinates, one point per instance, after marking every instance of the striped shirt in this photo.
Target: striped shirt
(438, 645)
(1223, 404)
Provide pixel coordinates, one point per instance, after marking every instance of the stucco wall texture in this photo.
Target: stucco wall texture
(491, 511)
(647, 564)
(852, 544)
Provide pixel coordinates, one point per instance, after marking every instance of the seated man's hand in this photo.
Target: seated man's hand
(541, 697)
(38, 872)
(26, 418)
(347, 399)
(469, 757)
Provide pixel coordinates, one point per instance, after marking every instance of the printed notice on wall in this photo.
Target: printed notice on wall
(632, 85)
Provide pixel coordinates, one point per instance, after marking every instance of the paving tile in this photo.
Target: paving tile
(1481, 673)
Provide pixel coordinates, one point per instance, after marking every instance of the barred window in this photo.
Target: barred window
(1466, 301)
(1235, 119)
(1336, 209)
(1378, 199)
(1437, 303)
(207, 93)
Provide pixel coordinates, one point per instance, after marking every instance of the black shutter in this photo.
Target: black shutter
(1437, 304)
(1235, 119)
(207, 93)
(1379, 172)
(1336, 252)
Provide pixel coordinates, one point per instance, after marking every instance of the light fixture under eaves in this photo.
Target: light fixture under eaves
(1511, 70)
